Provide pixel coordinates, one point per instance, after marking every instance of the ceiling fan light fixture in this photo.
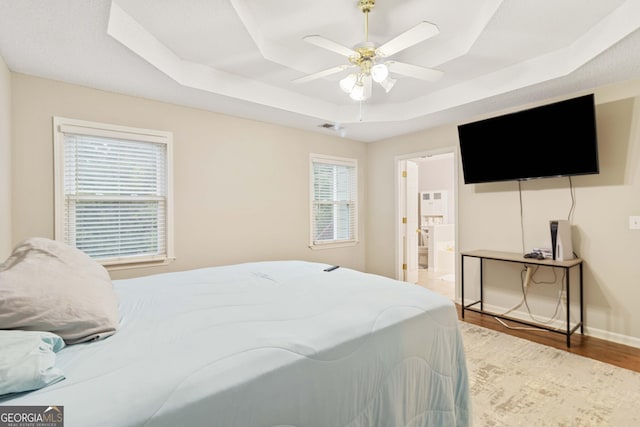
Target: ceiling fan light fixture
(362, 89)
(379, 72)
(368, 58)
(348, 83)
(387, 84)
(358, 93)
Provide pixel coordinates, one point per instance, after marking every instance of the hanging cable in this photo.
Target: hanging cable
(573, 200)
(523, 285)
(554, 317)
(521, 216)
(526, 277)
(572, 191)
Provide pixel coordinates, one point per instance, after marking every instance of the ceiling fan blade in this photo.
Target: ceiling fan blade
(415, 35)
(415, 71)
(330, 45)
(322, 73)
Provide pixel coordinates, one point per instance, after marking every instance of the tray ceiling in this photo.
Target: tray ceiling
(240, 57)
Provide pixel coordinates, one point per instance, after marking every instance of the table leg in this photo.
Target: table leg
(568, 304)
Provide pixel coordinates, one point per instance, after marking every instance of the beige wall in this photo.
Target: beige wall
(381, 191)
(5, 161)
(242, 191)
(489, 215)
(241, 187)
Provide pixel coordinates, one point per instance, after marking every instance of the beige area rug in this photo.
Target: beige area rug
(515, 382)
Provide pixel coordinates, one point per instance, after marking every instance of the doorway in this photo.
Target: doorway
(426, 243)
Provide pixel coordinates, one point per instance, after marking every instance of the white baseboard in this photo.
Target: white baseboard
(560, 324)
(613, 337)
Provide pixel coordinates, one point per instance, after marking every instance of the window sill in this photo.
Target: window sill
(137, 264)
(333, 245)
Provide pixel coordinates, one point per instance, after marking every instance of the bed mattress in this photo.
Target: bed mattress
(279, 343)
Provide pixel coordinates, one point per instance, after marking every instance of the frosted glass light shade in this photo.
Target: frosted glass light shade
(379, 72)
(347, 84)
(358, 92)
(387, 84)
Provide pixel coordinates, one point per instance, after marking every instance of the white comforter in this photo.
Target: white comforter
(268, 344)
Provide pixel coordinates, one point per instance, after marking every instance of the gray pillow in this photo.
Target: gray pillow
(47, 285)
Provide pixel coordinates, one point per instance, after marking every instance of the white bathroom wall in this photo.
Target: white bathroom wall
(437, 173)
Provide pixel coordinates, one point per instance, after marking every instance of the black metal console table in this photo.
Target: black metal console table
(483, 255)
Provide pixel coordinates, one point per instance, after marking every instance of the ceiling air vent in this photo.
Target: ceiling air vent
(335, 127)
(330, 126)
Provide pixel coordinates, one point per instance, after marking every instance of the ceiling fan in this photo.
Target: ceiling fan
(368, 58)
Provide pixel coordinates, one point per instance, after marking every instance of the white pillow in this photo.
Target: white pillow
(47, 285)
(27, 360)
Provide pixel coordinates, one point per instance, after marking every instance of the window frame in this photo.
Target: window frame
(62, 126)
(340, 161)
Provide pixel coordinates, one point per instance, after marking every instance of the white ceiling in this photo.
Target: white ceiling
(239, 57)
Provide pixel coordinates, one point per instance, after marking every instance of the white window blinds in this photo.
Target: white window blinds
(115, 201)
(334, 200)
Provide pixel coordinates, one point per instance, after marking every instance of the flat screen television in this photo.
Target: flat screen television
(553, 140)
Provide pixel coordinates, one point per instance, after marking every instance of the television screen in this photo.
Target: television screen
(557, 139)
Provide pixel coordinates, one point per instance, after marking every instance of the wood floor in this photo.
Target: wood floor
(595, 348)
(605, 351)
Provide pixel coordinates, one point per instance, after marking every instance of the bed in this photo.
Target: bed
(276, 343)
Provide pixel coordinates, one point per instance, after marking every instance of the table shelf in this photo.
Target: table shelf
(567, 265)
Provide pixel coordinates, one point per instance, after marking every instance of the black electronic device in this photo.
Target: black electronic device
(553, 225)
(536, 255)
(553, 140)
(332, 268)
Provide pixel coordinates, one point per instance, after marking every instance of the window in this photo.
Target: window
(334, 189)
(113, 191)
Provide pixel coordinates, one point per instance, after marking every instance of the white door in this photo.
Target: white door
(411, 228)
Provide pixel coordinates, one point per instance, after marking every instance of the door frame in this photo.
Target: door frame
(399, 250)
(409, 229)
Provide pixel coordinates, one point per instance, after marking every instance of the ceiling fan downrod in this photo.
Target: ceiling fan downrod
(366, 6)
